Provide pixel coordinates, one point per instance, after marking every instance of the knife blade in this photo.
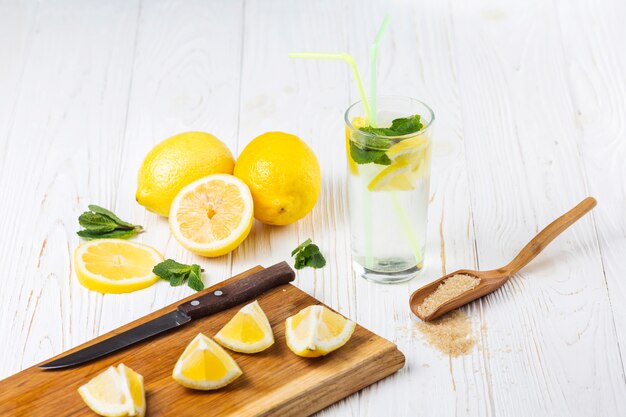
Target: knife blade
(205, 304)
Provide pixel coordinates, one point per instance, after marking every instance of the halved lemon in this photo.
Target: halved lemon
(249, 331)
(213, 215)
(115, 265)
(204, 365)
(116, 392)
(316, 331)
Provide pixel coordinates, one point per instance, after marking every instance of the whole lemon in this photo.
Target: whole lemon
(177, 162)
(283, 175)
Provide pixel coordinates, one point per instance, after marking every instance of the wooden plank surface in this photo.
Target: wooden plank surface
(529, 98)
(274, 382)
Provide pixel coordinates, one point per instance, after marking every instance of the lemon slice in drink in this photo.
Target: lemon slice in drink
(116, 392)
(213, 215)
(248, 331)
(410, 163)
(204, 365)
(115, 265)
(317, 331)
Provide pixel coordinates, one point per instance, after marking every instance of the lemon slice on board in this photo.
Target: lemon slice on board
(116, 392)
(316, 331)
(249, 331)
(213, 215)
(204, 365)
(115, 265)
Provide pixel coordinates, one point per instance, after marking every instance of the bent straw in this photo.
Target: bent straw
(374, 70)
(397, 206)
(349, 59)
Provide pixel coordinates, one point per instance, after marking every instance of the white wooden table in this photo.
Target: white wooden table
(530, 103)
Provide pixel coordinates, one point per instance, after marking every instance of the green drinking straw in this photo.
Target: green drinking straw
(349, 59)
(374, 69)
(400, 213)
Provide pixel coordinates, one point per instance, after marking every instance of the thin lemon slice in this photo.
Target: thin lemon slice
(115, 265)
(411, 160)
(316, 331)
(213, 215)
(116, 392)
(204, 365)
(249, 331)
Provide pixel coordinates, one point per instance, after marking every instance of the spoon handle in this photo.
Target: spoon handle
(547, 235)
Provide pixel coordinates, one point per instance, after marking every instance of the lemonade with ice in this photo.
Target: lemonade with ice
(388, 187)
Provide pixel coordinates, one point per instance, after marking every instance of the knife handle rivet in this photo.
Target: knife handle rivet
(195, 303)
(218, 293)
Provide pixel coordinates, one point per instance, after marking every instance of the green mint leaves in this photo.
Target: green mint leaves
(177, 273)
(308, 254)
(366, 156)
(406, 125)
(369, 149)
(100, 223)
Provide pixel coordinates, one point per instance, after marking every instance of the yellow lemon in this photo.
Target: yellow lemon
(316, 331)
(249, 331)
(283, 175)
(115, 265)
(205, 365)
(116, 392)
(212, 215)
(176, 162)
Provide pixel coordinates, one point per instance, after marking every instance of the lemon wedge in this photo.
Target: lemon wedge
(213, 215)
(316, 331)
(249, 331)
(116, 392)
(204, 365)
(115, 265)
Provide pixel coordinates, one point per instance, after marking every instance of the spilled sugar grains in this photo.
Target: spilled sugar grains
(448, 289)
(450, 334)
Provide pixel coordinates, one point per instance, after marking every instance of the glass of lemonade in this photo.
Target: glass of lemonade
(388, 187)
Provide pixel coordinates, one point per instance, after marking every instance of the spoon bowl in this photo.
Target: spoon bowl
(494, 279)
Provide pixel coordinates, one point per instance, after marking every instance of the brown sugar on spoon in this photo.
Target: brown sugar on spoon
(450, 288)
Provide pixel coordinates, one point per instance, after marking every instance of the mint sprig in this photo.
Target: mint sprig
(308, 254)
(367, 149)
(100, 223)
(177, 273)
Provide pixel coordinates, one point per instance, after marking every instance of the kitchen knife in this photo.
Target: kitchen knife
(205, 304)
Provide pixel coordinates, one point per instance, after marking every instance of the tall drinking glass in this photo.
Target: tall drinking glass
(388, 183)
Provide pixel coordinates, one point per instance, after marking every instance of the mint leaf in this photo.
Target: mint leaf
(406, 125)
(301, 246)
(195, 282)
(115, 234)
(96, 222)
(169, 269)
(177, 279)
(177, 273)
(308, 254)
(111, 215)
(366, 156)
(100, 223)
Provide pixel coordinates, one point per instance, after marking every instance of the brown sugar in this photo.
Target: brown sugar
(448, 289)
(450, 334)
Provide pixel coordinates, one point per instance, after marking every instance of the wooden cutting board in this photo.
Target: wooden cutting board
(274, 382)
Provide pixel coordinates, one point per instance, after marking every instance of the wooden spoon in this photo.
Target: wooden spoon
(494, 279)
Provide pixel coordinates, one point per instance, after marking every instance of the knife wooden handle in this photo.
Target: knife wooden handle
(238, 292)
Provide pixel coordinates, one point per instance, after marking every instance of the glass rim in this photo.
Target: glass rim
(408, 135)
